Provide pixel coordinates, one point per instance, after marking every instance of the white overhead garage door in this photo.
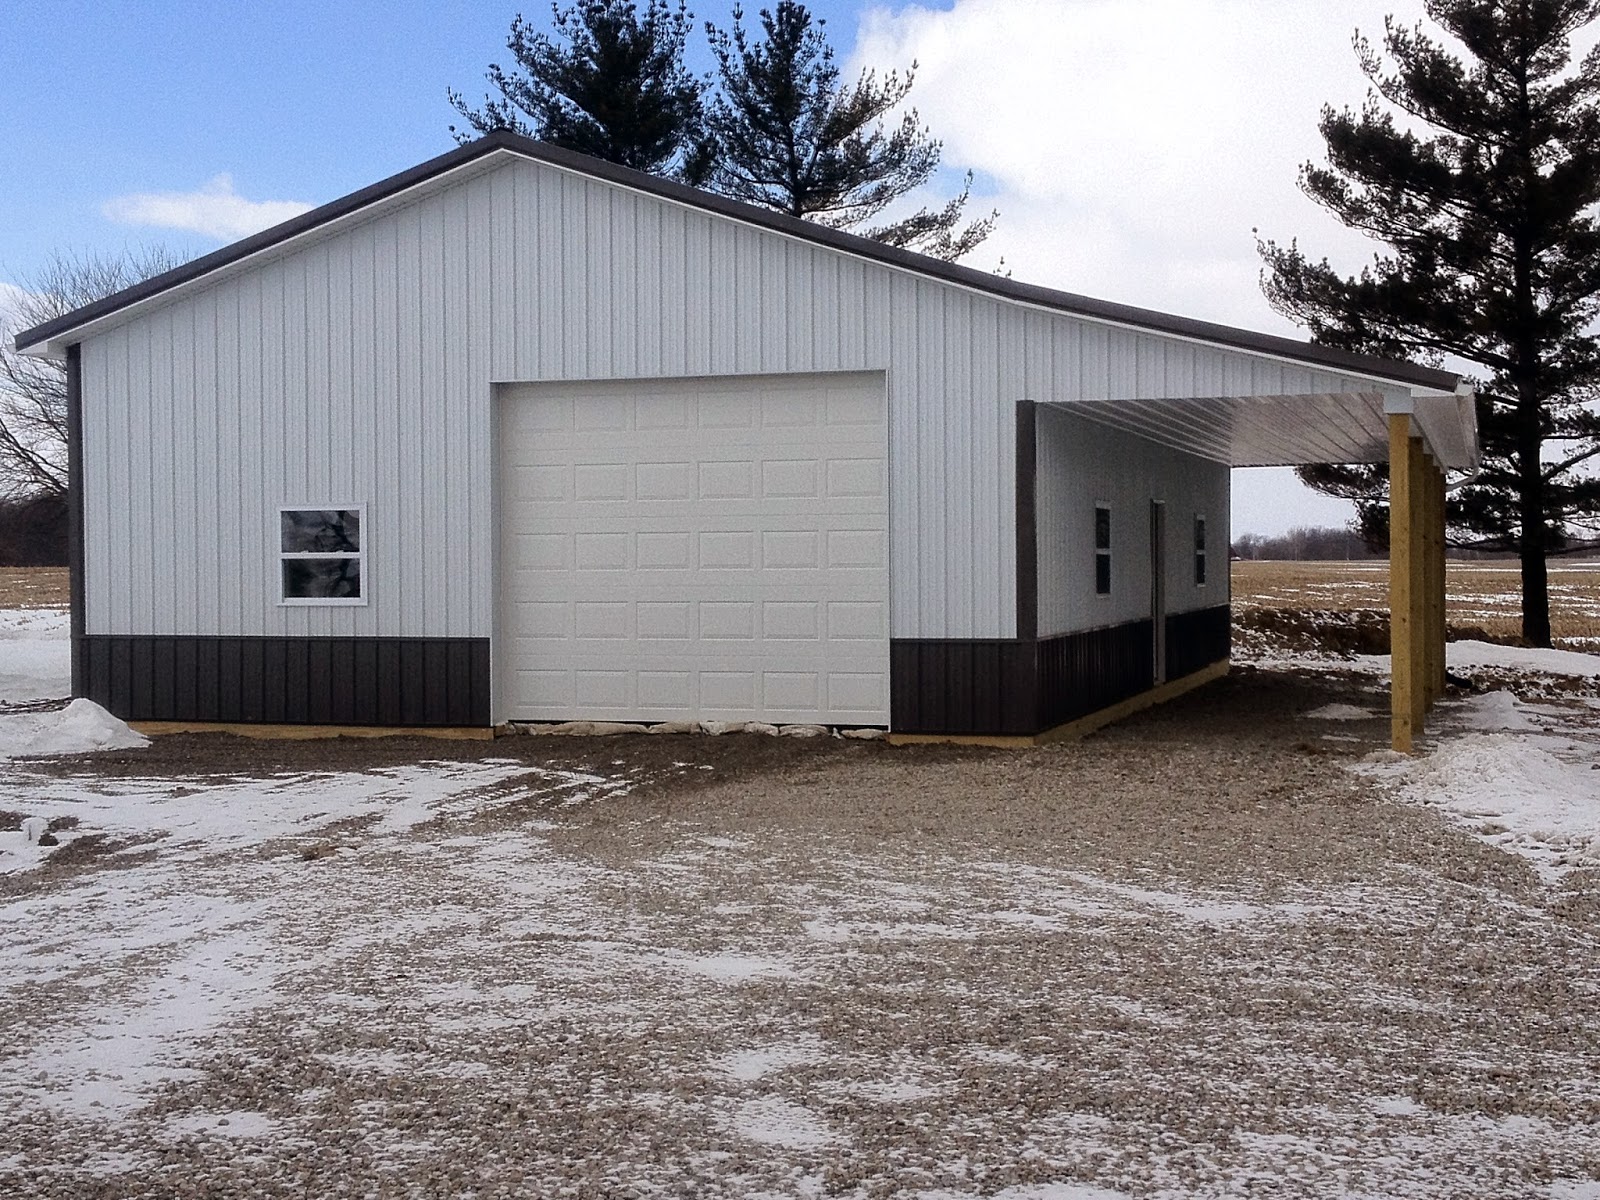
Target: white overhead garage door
(706, 549)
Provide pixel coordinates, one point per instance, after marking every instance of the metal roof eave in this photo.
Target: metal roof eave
(51, 337)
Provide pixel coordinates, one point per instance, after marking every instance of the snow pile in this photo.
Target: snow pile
(1536, 796)
(1341, 712)
(81, 727)
(1463, 656)
(35, 655)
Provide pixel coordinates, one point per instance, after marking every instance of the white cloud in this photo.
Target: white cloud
(213, 210)
(1132, 149)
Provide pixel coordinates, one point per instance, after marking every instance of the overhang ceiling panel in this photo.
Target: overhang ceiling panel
(1285, 431)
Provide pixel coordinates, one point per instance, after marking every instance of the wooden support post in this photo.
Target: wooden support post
(1419, 582)
(1404, 585)
(1440, 583)
(1432, 578)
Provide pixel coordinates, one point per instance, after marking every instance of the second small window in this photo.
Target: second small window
(1102, 549)
(1199, 551)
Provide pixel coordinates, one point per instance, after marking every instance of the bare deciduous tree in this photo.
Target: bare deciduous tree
(33, 391)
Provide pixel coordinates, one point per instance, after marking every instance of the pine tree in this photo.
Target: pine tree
(1492, 256)
(610, 83)
(783, 133)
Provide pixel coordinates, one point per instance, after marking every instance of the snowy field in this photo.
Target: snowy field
(1485, 594)
(1263, 957)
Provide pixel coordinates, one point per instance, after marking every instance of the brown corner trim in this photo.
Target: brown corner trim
(1027, 521)
(75, 508)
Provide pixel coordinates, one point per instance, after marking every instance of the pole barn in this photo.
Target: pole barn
(518, 435)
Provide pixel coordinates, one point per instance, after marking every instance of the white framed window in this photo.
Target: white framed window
(1199, 550)
(1102, 549)
(321, 554)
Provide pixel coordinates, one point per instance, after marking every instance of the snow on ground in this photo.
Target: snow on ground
(1463, 656)
(206, 910)
(1523, 776)
(35, 655)
(968, 1024)
(401, 980)
(35, 667)
(1538, 796)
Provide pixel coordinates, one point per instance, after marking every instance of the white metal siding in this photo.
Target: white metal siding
(358, 365)
(709, 549)
(1081, 464)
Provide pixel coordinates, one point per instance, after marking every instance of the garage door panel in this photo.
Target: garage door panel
(791, 620)
(726, 620)
(791, 479)
(665, 620)
(663, 412)
(541, 552)
(857, 620)
(696, 550)
(866, 548)
(727, 695)
(731, 480)
(855, 478)
(667, 691)
(666, 551)
(600, 413)
(602, 552)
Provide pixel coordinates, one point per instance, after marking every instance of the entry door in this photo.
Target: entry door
(1158, 590)
(695, 549)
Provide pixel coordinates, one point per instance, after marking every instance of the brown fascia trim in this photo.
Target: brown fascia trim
(1027, 521)
(981, 281)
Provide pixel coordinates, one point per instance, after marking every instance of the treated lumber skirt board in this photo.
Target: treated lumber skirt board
(1081, 727)
(1018, 688)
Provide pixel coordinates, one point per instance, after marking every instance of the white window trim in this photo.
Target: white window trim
(1106, 553)
(283, 556)
(1202, 552)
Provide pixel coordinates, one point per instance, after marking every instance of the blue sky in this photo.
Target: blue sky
(293, 100)
(1133, 147)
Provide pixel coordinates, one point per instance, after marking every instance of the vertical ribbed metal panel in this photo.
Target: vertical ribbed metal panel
(1081, 464)
(357, 367)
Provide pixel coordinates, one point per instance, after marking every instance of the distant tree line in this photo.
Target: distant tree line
(1327, 544)
(1304, 544)
(33, 531)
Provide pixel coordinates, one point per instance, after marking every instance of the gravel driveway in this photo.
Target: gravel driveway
(1190, 956)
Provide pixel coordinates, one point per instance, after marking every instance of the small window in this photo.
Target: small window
(1199, 551)
(320, 556)
(1102, 549)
